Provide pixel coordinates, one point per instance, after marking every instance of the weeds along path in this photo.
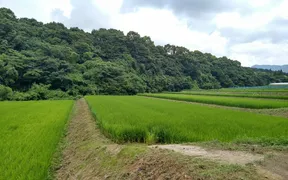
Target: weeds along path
(90, 155)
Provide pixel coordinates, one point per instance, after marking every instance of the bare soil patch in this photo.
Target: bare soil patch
(232, 157)
(272, 166)
(165, 164)
(277, 164)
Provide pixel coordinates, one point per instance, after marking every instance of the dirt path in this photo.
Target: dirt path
(79, 156)
(90, 155)
(231, 157)
(275, 167)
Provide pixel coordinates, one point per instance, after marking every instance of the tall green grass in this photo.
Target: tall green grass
(225, 101)
(140, 119)
(29, 135)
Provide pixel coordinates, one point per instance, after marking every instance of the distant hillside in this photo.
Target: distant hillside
(38, 58)
(284, 68)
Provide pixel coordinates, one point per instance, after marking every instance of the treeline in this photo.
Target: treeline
(65, 63)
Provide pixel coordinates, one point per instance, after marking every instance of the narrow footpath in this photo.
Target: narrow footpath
(84, 144)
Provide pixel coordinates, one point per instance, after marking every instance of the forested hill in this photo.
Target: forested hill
(36, 57)
(283, 68)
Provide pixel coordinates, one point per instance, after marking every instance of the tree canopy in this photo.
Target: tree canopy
(52, 60)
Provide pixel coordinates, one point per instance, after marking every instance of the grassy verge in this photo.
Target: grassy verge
(139, 119)
(225, 101)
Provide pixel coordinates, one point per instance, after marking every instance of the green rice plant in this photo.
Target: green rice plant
(248, 94)
(29, 135)
(258, 89)
(252, 103)
(140, 119)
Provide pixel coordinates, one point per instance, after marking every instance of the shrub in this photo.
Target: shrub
(5, 93)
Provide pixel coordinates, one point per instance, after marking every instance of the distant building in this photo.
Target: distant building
(279, 84)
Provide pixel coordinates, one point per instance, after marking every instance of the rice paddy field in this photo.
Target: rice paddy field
(249, 94)
(29, 135)
(30, 132)
(141, 119)
(279, 88)
(252, 103)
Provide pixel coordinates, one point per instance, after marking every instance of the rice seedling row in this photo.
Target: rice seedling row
(141, 119)
(252, 103)
(257, 89)
(237, 94)
(29, 135)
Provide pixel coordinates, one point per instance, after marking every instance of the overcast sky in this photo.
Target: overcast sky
(250, 31)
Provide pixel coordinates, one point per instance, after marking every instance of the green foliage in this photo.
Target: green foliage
(30, 132)
(36, 92)
(140, 119)
(39, 91)
(42, 92)
(225, 101)
(106, 61)
(20, 96)
(5, 93)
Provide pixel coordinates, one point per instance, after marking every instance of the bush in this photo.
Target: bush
(19, 96)
(42, 92)
(5, 93)
(58, 94)
(37, 92)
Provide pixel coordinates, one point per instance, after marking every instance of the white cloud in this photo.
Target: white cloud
(235, 20)
(38, 9)
(259, 3)
(110, 7)
(258, 19)
(281, 10)
(260, 52)
(165, 26)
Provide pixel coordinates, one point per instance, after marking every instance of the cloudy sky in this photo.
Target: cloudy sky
(250, 31)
